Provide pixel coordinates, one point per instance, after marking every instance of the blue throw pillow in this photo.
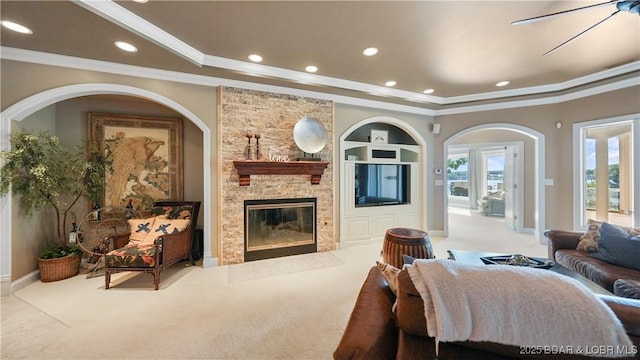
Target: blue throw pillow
(618, 247)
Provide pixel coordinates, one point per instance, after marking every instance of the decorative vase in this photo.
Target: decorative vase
(59, 268)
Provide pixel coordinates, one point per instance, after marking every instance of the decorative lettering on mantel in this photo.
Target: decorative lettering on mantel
(277, 157)
(246, 168)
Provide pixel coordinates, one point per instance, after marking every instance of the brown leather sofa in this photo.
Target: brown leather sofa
(619, 280)
(374, 331)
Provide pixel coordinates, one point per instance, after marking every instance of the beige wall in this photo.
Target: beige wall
(349, 115)
(30, 235)
(21, 80)
(559, 158)
(558, 143)
(71, 127)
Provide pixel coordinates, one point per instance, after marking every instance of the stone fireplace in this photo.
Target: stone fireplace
(279, 227)
(273, 116)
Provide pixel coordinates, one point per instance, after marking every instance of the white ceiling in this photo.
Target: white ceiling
(458, 48)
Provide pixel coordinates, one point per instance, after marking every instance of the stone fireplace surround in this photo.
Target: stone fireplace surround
(273, 116)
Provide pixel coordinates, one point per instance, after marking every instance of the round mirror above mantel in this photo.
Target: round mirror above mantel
(310, 136)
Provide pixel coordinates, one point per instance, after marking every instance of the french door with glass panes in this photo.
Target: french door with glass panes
(604, 187)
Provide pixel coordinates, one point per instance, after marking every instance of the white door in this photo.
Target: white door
(511, 187)
(513, 184)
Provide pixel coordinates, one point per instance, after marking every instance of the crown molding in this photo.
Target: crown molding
(65, 61)
(556, 99)
(141, 27)
(115, 13)
(549, 88)
(124, 18)
(301, 77)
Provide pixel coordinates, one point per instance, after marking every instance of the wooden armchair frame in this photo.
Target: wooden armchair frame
(168, 249)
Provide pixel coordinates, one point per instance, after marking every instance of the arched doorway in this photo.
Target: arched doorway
(30, 105)
(537, 178)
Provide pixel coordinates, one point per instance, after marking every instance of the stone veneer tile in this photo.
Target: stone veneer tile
(273, 116)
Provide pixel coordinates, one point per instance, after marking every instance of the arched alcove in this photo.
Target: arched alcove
(34, 103)
(398, 161)
(397, 135)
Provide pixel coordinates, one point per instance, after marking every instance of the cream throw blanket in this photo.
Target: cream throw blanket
(515, 306)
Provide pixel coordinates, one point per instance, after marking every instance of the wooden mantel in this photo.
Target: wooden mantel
(246, 168)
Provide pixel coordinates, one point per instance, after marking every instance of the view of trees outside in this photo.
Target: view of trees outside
(457, 175)
(614, 175)
(457, 168)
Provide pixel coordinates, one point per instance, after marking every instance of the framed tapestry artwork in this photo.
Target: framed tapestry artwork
(146, 155)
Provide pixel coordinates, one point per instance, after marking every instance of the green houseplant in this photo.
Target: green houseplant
(46, 174)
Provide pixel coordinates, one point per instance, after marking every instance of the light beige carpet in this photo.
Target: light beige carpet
(287, 308)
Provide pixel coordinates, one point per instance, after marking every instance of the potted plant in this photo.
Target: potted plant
(46, 174)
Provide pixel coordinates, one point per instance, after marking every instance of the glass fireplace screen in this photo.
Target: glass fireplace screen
(271, 224)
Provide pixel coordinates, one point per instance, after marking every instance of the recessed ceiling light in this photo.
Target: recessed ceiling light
(255, 58)
(502, 83)
(126, 46)
(16, 27)
(311, 68)
(370, 51)
(390, 83)
(428, 91)
(141, 1)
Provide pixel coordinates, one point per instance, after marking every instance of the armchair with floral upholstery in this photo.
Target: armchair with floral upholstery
(154, 243)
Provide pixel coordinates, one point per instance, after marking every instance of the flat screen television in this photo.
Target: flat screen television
(382, 184)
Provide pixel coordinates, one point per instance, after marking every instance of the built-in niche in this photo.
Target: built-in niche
(382, 183)
(396, 134)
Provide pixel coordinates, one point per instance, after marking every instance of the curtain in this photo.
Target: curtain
(474, 174)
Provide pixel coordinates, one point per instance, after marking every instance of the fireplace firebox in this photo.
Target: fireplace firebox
(279, 227)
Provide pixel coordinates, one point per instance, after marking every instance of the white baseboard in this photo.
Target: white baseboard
(530, 231)
(347, 244)
(21, 283)
(435, 233)
(209, 261)
(5, 285)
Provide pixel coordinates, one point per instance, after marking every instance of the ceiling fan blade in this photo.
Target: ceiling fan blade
(549, 16)
(630, 6)
(582, 32)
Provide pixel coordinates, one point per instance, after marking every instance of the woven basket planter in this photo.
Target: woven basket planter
(59, 268)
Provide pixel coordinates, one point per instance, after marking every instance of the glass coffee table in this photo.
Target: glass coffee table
(474, 257)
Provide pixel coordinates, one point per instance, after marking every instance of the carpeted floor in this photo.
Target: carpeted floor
(286, 308)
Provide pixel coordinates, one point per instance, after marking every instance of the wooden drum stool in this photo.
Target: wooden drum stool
(402, 241)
